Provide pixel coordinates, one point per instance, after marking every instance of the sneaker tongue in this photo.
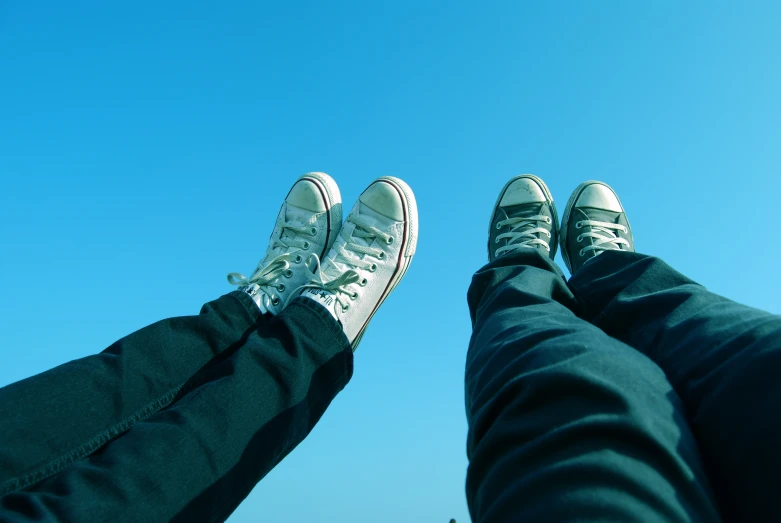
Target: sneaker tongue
(524, 210)
(601, 215)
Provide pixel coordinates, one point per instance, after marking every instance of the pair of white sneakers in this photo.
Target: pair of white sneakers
(350, 268)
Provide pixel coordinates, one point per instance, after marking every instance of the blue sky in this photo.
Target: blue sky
(145, 149)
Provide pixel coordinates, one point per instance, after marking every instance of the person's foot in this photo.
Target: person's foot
(524, 216)
(594, 222)
(307, 225)
(369, 258)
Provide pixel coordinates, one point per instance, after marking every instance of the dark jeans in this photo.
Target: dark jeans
(628, 394)
(665, 420)
(177, 421)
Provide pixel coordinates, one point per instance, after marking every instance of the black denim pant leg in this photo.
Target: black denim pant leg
(199, 458)
(566, 423)
(66, 413)
(723, 358)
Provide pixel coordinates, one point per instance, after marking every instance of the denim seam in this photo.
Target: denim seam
(58, 464)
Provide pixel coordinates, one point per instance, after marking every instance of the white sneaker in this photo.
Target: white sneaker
(307, 225)
(369, 258)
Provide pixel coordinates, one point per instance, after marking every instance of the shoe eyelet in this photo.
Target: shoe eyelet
(288, 273)
(389, 240)
(275, 301)
(548, 220)
(373, 267)
(354, 296)
(498, 226)
(345, 307)
(281, 287)
(363, 282)
(549, 234)
(299, 259)
(306, 245)
(579, 238)
(581, 253)
(578, 225)
(314, 231)
(496, 240)
(381, 256)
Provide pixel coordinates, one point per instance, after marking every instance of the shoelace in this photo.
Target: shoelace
(603, 233)
(286, 240)
(523, 232)
(330, 278)
(266, 275)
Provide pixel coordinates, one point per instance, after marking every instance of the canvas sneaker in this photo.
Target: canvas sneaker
(524, 216)
(369, 258)
(594, 222)
(306, 228)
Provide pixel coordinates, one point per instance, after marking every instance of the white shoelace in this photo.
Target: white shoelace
(603, 233)
(268, 271)
(522, 233)
(266, 277)
(289, 235)
(336, 274)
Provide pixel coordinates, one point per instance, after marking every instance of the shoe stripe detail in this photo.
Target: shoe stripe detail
(565, 222)
(400, 268)
(328, 205)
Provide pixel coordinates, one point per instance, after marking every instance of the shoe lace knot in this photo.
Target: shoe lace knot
(266, 277)
(284, 250)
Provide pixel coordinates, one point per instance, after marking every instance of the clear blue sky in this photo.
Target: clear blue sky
(145, 148)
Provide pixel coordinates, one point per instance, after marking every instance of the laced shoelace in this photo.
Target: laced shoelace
(603, 233)
(286, 240)
(330, 278)
(522, 233)
(266, 275)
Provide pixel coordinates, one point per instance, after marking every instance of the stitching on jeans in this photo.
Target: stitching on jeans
(58, 464)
